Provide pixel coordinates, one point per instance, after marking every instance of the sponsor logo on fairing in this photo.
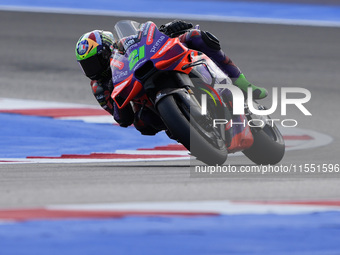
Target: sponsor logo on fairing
(157, 44)
(165, 47)
(118, 64)
(145, 28)
(151, 32)
(119, 76)
(139, 64)
(129, 43)
(121, 85)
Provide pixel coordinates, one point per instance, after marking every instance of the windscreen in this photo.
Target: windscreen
(126, 28)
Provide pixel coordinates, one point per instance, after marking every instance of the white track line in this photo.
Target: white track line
(219, 207)
(22, 104)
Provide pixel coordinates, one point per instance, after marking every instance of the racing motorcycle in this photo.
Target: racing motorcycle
(187, 95)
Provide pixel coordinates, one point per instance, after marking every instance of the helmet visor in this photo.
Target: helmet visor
(92, 66)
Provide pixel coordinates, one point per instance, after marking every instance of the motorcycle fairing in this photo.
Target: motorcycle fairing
(165, 54)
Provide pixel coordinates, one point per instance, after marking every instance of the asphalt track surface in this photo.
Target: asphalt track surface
(38, 62)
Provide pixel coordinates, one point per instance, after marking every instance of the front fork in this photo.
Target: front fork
(185, 94)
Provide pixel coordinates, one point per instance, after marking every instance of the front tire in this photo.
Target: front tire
(186, 131)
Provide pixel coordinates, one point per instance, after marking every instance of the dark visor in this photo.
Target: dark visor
(92, 66)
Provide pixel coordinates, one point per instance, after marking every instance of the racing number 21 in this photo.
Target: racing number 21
(135, 56)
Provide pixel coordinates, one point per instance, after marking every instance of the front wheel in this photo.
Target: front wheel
(203, 143)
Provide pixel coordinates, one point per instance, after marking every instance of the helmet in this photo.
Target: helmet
(93, 52)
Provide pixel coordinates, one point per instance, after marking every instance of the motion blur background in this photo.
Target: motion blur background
(275, 43)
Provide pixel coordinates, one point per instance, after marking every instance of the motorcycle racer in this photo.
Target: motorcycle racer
(94, 49)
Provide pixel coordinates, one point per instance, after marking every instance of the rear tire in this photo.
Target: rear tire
(268, 147)
(265, 151)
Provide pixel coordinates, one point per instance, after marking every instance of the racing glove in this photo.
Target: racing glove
(102, 94)
(175, 28)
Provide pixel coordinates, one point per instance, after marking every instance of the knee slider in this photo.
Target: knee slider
(211, 40)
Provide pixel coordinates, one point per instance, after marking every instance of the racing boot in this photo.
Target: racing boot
(244, 84)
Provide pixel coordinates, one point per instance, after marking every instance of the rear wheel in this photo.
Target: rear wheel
(196, 134)
(268, 147)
